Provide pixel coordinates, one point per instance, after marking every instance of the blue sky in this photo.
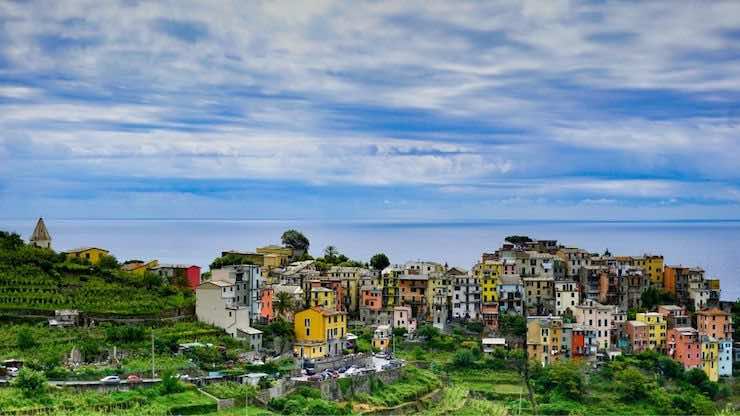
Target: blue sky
(354, 110)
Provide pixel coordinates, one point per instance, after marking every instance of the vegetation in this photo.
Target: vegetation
(413, 384)
(306, 401)
(379, 261)
(229, 260)
(37, 281)
(517, 240)
(296, 240)
(652, 297)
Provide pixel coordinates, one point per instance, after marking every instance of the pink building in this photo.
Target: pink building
(639, 335)
(684, 346)
(371, 298)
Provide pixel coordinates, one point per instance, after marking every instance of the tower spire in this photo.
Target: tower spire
(41, 237)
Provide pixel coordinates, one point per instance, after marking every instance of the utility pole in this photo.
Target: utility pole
(152, 353)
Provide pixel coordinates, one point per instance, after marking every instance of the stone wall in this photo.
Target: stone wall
(341, 389)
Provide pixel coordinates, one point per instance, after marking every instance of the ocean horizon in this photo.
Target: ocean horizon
(710, 244)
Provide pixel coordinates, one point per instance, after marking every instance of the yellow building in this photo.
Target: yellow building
(322, 297)
(653, 266)
(91, 254)
(543, 338)
(489, 275)
(657, 329)
(277, 255)
(319, 332)
(710, 357)
(382, 338)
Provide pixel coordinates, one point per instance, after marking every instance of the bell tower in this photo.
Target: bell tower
(40, 237)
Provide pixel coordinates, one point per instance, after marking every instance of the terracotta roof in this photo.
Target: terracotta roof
(713, 312)
(40, 233)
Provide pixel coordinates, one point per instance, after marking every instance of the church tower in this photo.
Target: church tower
(40, 236)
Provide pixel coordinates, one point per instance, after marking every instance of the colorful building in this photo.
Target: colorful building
(657, 329)
(567, 297)
(489, 274)
(675, 316)
(319, 332)
(725, 358)
(322, 297)
(382, 338)
(489, 314)
(684, 346)
(598, 316)
(90, 254)
(139, 267)
(180, 274)
(402, 318)
(715, 323)
(638, 334)
(266, 310)
(544, 335)
(710, 357)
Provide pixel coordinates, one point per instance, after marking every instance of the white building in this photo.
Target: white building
(215, 304)
(402, 318)
(253, 335)
(247, 282)
(567, 297)
(725, 358)
(466, 297)
(599, 317)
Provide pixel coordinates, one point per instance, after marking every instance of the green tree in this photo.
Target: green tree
(284, 303)
(331, 254)
(512, 325)
(295, 240)
(108, 262)
(399, 331)
(379, 261)
(31, 383)
(428, 331)
(10, 241)
(170, 384)
(463, 358)
(564, 378)
(632, 384)
(229, 260)
(25, 339)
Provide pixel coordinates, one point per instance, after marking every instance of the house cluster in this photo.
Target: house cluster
(576, 303)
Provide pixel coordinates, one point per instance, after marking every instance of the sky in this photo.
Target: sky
(370, 110)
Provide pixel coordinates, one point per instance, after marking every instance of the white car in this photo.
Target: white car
(110, 380)
(12, 371)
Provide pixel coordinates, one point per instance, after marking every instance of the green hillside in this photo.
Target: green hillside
(38, 281)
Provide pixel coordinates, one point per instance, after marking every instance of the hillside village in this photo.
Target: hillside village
(330, 316)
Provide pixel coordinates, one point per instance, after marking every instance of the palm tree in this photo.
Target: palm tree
(283, 303)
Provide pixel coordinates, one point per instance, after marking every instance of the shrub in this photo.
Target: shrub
(463, 359)
(170, 384)
(30, 383)
(631, 384)
(25, 339)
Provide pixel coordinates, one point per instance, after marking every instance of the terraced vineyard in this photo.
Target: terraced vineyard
(36, 282)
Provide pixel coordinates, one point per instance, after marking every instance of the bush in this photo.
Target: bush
(25, 339)
(31, 383)
(170, 384)
(463, 359)
(632, 385)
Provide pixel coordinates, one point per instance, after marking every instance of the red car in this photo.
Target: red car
(133, 379)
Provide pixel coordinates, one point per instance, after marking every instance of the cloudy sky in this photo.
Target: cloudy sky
(352, 110)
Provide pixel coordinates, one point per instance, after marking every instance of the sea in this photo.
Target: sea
(713, 245)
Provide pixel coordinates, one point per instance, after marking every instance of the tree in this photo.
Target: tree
(379, 261)
(517, 240)
(170, 384)
(295, 240)
(463, 358)
(632, 384)
(331, 254)
(228, 260)
(10, 241)
(400, 331)
(283, 303)
(24, 339)
(31, 383)
(564, 378)
(428, 331)
(653, 297)
(512, 325)
(108, 262)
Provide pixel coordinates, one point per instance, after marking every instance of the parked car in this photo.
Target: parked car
(183, 377)
(133, 379)
(110, 380)
(315, 377)
(12, 371)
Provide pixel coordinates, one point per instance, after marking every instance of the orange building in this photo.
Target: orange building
(266, 312)
(371, 298)
(684, 346)
(715, 323)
